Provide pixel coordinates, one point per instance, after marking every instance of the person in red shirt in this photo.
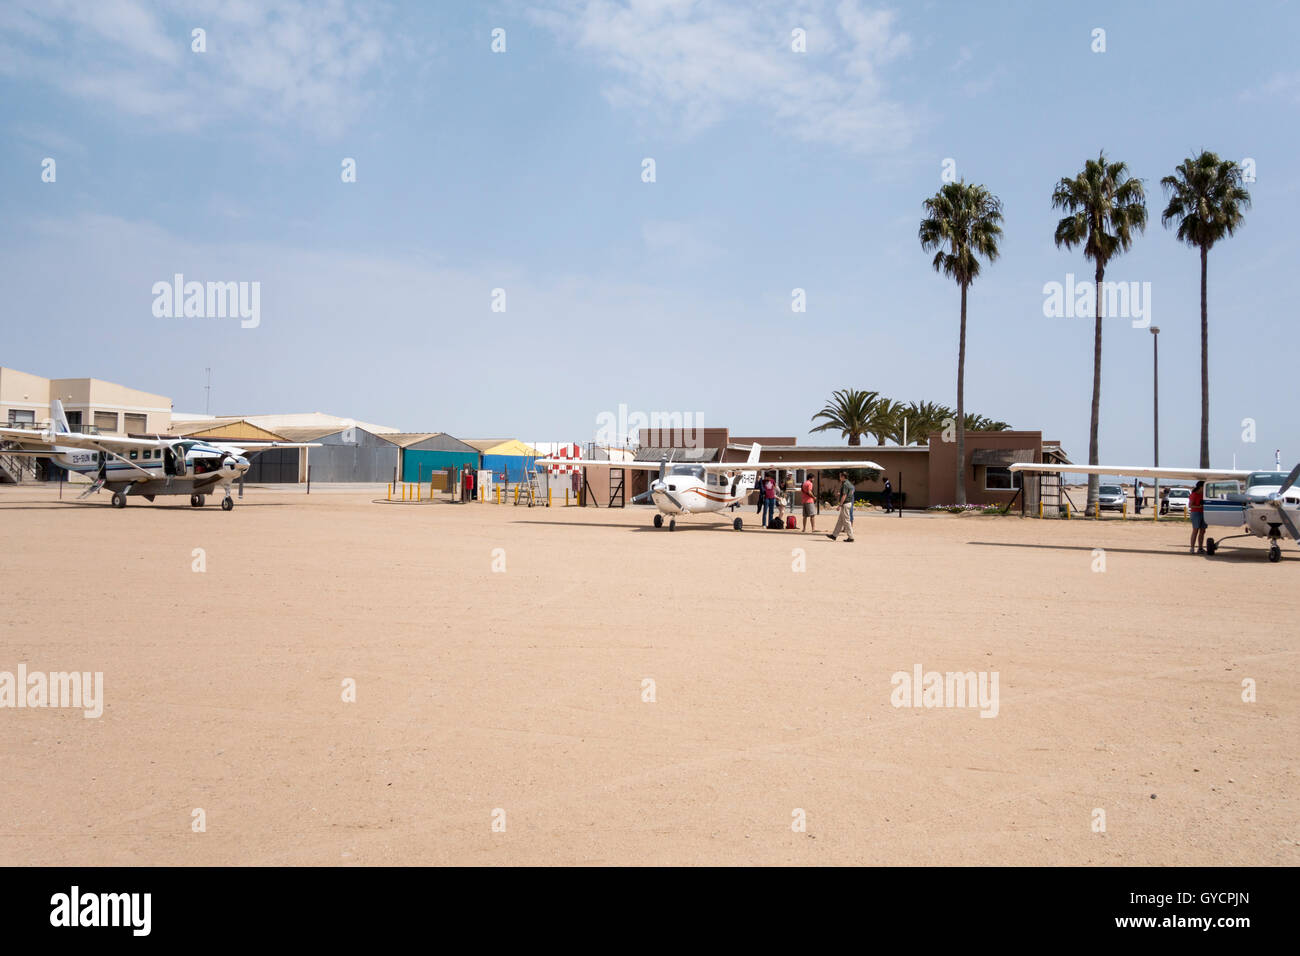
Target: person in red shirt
(469, 485)
(1196, 511)
(809, 504)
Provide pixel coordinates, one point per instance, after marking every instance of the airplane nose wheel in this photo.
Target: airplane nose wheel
(1275, 553)
(672, 524)
(738, 524)
(659, 521)
(227, 503)
(119, 500)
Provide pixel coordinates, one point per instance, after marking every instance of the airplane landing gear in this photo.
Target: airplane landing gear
(672, 524)
(196, 501)
(659, 521)
(1274, 552)
(1211, 546)
(227, 503)
(119, 500)
(738, 524)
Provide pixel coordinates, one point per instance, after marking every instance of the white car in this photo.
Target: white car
(1111, 497)
(1176, 501)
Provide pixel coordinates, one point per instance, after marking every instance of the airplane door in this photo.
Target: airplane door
(174, 460)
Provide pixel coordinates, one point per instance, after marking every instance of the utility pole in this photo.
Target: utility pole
(1155, 404)
(207, 397)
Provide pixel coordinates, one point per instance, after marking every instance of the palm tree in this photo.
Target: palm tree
(886, 415)
(1207, 200)
(923, 420)
(978, 423)
(962, 223)
(1104, 207)
(849, 413)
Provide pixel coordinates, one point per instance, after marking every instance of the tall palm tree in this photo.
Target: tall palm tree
(962, 223)
(1104, 207)
(1208, 202)
(923, 420)
(886, 415)
(978, 423)
(849, 413)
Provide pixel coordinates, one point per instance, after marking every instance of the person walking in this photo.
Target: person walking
(1137, 495)
(1196, 511)
(889, 497)
(809, 503)
(845, 522)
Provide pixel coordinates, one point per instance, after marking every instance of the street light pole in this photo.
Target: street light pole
(1155, 405)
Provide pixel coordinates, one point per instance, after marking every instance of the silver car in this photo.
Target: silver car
(1176, 501)
(1111, 497)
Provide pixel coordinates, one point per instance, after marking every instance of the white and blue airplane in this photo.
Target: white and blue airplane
(143, 467)
(1267, 504)
(685, 488)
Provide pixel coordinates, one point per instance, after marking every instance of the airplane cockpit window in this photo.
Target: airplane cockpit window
(691, 471)
(1266, 478)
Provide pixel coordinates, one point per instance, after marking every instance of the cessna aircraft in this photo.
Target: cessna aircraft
(1269, 504)
(687, 488)
(147, 467)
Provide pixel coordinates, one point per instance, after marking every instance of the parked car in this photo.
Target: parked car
(1176, 501)
(1111, 497)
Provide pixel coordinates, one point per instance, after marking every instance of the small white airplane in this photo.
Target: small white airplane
(1269, 504)
(686, 488)
(146, 467)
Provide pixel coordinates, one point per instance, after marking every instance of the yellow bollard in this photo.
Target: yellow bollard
(1067, 511)
(566, 497)
(498, 494)
(1040, 507)
(548, 496)
(390, 491)
(1125, 512)
(1098, 510)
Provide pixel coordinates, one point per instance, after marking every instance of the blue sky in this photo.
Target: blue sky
(521, 170)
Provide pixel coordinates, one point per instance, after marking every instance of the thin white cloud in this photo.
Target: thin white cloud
(280, 61)
(695, 63)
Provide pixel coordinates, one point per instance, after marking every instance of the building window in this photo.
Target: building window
(997, 478)
(106, 421)
(135, 423)
(22, 416)
(74, 420)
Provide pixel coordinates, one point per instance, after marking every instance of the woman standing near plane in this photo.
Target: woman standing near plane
(1196, 510)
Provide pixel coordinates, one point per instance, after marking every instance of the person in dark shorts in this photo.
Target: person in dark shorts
(809, 503)
(889, 497)
(1196, 511)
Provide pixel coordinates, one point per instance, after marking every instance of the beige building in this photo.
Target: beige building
(90, 404)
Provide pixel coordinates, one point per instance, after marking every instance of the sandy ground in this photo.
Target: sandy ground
(521, 690)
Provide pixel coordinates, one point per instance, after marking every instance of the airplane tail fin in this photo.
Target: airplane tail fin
(754, 451)
(58, 419)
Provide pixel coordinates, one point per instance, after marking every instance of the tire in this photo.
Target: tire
(1275, 553)
(227, 504)
(659, 521)
(119, 500)
(196, 501)
(672, 524)
(1211, 546)
(738, 524)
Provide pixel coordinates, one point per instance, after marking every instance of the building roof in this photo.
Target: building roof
(295, 420)
(656, 453)
(1000, 456)
(403, 439)
(502, 446)
(311, 433)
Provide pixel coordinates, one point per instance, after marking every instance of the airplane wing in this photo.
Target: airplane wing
(713, 465)
(249, 449)
(109, 443)
(1136, 471)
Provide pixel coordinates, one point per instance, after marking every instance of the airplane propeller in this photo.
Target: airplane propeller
(645, 495)
(1280, 498)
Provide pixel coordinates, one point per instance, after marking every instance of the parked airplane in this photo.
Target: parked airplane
(687, 488)
(1269, 503)
(146, 467)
